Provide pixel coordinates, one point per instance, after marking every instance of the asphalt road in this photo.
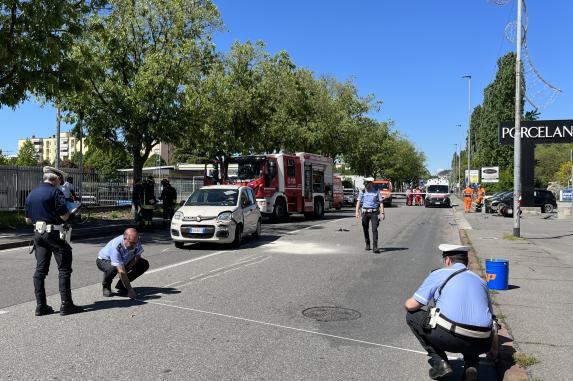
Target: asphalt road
(213, 313)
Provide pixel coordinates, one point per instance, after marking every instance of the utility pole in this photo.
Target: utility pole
(58, 120)
(517, 136)
(469, 78)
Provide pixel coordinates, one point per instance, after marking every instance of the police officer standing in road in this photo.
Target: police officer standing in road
(46, 210)
(462, 319)
(372, 206)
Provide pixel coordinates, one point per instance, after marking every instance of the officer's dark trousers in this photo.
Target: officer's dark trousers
(110, 271)
(168, 212)
(438, 340)
(46, 245)
(370, 217)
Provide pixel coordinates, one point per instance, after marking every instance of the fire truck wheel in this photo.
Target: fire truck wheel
(280, 210)
(238, 236)
(257, 233)
(318, 208)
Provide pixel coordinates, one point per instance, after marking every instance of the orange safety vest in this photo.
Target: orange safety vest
(468, 192)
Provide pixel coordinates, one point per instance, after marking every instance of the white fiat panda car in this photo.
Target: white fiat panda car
(219, 214)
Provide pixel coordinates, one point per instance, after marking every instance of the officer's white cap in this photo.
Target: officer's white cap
(53, 170)
(368, 179)
(449, 249)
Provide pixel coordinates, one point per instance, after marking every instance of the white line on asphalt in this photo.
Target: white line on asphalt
(285, 327)
(3, 312)
(311, 226)
(186, 262)
(15, 249)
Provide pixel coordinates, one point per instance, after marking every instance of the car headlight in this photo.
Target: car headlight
(225, 216)
(178, 216)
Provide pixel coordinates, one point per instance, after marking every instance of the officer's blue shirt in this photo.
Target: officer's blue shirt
(370, 199)
(46, 203)
(118, 254)
(464, 299)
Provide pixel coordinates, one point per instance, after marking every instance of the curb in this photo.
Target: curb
(507, 369)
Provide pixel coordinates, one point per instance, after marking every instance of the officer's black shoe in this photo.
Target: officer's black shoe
(367, 246)
(376, 249)
(107, 291)
(44, 310)
(70, 308)
(471, 374)
(440, 370)
(119, 286)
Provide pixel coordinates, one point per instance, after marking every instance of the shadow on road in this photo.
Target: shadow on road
(387, 249)
(144, 293)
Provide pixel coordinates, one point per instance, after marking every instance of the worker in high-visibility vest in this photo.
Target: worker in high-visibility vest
(480, 197)
(468, 194)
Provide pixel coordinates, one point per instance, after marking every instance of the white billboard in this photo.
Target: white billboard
(490, 174)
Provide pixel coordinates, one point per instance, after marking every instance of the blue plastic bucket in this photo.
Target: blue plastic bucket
(497, 273)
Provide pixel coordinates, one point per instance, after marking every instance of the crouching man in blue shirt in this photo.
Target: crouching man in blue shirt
(122, 255)
(460, 322)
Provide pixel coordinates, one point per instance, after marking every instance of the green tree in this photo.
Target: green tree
(563, 174)
(3, 159)
(498, 106)
(106, 162)
(549, 158)
(154, 161)
(27, 155)
(35, 38)
(139, 59)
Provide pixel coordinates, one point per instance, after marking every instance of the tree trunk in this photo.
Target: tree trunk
(138, 163)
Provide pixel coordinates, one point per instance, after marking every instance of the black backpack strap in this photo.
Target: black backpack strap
(439, 291)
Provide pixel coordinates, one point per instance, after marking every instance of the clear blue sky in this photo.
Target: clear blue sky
(410, 54)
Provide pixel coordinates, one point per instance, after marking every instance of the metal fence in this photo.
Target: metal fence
(16, 182)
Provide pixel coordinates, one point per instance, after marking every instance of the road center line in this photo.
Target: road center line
(322, 223)
(186, 262)
(283, 327)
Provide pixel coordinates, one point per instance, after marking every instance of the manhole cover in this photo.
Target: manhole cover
(331, 313)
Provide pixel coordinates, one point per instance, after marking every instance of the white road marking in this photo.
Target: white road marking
(27, 247)
(185, 262)
(311, 226)
(285, 327)
(3, 312)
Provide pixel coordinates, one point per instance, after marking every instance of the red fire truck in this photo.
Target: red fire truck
(289, 183)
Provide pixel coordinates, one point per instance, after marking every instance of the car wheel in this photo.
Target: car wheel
(238, 236)
(179, 245)
(548, 208)
(501, 208)
(257, 232)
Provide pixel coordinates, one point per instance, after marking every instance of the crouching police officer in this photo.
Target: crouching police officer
(372, 209)
(460, 322)
(46, 209)
(122, 255)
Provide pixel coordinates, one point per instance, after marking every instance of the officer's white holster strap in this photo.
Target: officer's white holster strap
(455, 328)
(42, 227)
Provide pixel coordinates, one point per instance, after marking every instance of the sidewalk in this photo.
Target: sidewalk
(22, 236)
(537, 304)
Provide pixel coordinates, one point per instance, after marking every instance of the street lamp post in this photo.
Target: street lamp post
(459, 163)
(469, 78)
(517, 136)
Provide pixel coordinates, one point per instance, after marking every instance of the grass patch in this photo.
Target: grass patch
(511, 237)
(524, 360)
(500, 317)
(493, 292)
(12, 219)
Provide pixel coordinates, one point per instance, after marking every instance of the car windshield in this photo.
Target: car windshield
(382, 186)
(437, 189)
(249, 171)
(349, 192)
(213, 197)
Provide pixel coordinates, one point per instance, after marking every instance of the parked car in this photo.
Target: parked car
(545, 199)
(349, 196)
(219, 214)
(491, 202)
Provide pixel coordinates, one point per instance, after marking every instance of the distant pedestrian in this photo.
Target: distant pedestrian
(148, 202)
(169, 197)
(370, 208)
(468, 195)
(122, 255)
(409, 196)
(480, 197)
(461, 320)
(46, 209)
(418, 193)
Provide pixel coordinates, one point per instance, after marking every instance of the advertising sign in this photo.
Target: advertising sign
(538, 131)
(490, 174)
(474, 176)
(565, 195)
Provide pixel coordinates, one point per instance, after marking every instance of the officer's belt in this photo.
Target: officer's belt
(475, 332)
(370, 210)
(50, 228)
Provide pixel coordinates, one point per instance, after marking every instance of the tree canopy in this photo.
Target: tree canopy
(27, 155)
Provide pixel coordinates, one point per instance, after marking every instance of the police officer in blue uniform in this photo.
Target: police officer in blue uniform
(371, 203)
(462, 319)
(46, 210)
(122, 255)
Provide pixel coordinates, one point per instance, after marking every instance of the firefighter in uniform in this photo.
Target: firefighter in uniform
(372, 206)
(148, 202)
(136, 200)
(169, 197)
(462, 320)
(46, 210)
(468, 194)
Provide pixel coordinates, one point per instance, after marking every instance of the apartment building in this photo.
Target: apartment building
(46, 147)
